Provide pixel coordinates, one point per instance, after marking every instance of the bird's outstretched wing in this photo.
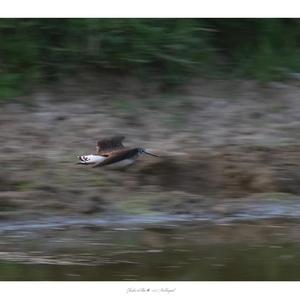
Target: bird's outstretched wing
(118, 156)
(108, 145)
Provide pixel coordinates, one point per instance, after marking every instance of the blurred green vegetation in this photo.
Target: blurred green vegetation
(170, 50)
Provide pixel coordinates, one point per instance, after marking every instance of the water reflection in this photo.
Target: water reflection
(217, 263)
(244, 251)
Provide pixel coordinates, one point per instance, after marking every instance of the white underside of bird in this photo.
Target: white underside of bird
(93, 159)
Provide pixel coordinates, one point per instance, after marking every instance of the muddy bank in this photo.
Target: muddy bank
(217, 140)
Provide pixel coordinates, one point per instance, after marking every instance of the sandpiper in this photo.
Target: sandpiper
(112, 151)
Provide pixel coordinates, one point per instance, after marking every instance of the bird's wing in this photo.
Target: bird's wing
(108, 145)
(118, 156)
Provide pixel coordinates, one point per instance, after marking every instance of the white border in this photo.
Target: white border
(136, 290)
(149, 8)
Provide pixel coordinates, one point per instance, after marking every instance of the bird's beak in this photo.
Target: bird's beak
(151, 154)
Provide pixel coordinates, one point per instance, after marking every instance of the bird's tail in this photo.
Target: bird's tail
(83, 160)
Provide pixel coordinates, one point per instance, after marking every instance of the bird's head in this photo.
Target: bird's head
(142, 151)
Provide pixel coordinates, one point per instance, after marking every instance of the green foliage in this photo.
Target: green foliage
(264, 49)
(169, 50)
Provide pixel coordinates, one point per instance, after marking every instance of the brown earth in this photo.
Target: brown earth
(216, 139)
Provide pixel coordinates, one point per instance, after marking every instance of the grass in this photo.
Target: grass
(34, 51)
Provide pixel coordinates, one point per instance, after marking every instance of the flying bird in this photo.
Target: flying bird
(112, 151)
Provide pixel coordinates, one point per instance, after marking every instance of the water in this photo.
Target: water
(151, 248)
(214, 263)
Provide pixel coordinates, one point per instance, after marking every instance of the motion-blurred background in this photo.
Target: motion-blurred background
(217, 99)
(169, 50)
